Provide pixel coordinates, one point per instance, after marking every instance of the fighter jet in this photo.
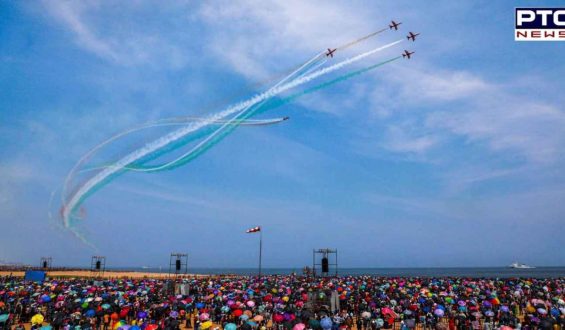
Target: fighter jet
(330, 52)
(412, 36)
(407, 54)
(394, 25)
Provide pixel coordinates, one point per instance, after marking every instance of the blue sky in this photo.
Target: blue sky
(454, 158)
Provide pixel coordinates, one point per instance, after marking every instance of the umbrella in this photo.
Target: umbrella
(299, 326)
(105, 306)
(4, 318)
(388, 311)
(119, 324)
(313, 323)
(90, 313)
(204, 317)
(542, 311)
(230, 326)
(174, 314)
(37, 319)
(258, 318)
(206, 325)
(439, 312)
(326, 323)
(46, 327)
(441, 326)
(278, 318)
(379, 322)
(366, 315)
(244, 317)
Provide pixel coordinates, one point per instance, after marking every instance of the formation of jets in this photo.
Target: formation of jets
(411, 36)
(393, 25)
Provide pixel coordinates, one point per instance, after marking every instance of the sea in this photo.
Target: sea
(475, 272)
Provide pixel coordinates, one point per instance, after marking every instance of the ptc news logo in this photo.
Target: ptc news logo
(540, 24)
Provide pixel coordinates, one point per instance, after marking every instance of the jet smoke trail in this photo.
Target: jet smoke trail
(92, 184)
(202, 147)
(176, 121)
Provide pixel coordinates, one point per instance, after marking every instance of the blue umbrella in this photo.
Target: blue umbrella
(4, 318)
(326, 323)
(90, 313)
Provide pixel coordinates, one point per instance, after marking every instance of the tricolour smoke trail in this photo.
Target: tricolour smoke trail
(96, 182)
(295, 72)
(211, 137)
(85, 158)
(177, 121)
(213, 140)
(361, 39)
(201, 146)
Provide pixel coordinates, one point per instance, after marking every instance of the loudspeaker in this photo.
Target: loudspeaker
(178, 265)
(45, 264)
(98, 264)
(325, 265)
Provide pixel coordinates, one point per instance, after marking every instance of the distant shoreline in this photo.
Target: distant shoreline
(107, 274)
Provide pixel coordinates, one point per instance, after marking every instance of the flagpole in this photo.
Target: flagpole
(260, 249)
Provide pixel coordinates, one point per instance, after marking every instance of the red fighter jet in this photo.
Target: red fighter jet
(412, 36)
(394, 25)
(407, 54)
(330, 52)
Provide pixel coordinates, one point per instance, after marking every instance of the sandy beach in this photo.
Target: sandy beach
(106, 275)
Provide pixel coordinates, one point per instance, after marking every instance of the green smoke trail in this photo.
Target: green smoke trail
(260, 108)
(269, 105)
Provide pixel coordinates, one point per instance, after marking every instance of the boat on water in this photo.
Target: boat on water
(517, 265)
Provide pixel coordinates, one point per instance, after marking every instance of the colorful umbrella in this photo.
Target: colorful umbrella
(37, 319)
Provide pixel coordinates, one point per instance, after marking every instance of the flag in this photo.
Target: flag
(253, 230)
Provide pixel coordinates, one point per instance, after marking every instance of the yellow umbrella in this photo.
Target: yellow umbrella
(206, 325)
(37, 319)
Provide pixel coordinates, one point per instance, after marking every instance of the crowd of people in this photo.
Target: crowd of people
(283, 302)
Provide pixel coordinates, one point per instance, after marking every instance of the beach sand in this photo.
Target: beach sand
(106, 275)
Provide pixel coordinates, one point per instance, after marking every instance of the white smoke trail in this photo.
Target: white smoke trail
(180, 133)
(89, 154)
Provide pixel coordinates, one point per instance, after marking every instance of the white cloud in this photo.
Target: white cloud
(97, 31)
(534, 130)
(399, 140)
(259, 35)
(455, 103)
